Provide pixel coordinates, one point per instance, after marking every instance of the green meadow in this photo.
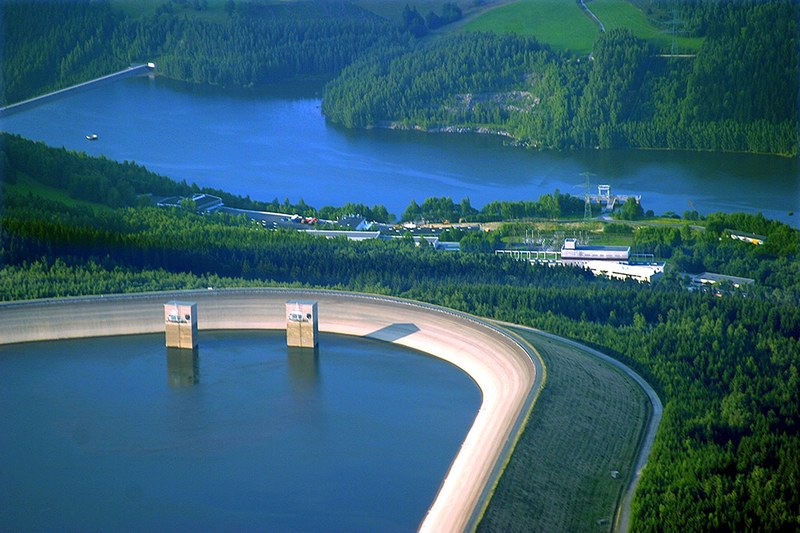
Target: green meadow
(621, 14)
(563, 25)
(558, 23)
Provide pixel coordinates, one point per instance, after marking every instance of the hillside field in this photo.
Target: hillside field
(622, 14)
(558, 23)
(564, 26)
(588, 421)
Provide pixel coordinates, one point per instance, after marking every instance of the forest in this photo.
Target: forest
(727, 455)
(54, 44)
(738, 93)
(548, 206)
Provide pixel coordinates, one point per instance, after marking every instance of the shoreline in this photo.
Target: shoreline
(135, 70)
(505, 371)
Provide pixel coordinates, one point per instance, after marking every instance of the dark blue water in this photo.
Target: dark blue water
(118, 434)
(278, 145)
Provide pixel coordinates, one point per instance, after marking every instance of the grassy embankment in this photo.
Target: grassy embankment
(622, 14)
(25, 185)
(588, 421)
(558, 23)
(564, 26)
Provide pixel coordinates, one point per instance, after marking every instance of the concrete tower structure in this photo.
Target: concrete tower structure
(180, 324)
(302, 324)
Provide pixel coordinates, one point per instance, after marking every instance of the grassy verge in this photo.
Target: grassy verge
(559, 23)
(588, 422)
(622, 14)
(564, 26)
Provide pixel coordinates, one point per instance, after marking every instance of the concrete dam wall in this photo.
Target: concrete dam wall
(507, 372)
(127, 73)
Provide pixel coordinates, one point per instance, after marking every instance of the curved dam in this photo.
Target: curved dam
(507, 372)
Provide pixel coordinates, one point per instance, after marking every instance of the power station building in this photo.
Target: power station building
(609, 261)
(572, 251)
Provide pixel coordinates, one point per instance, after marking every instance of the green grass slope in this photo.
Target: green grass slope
(588, 421)
(621, 14)
(559, 23)
(563, 25)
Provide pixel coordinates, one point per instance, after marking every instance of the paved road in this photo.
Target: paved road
(504, 369)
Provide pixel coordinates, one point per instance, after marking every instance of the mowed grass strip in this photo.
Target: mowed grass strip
(621, 14)
(588, 421)
(558, 23)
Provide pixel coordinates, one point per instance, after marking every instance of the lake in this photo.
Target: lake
(121, 434)
(277, 144)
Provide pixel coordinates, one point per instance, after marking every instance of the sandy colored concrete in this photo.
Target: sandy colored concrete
(503, 369)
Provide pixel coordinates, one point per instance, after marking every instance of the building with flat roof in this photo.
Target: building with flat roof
(573, 251)
(609, 261)
(645, 272)
(180, 324)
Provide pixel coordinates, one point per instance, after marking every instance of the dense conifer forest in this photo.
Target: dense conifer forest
(727, 455)
(738, 93)
(50, 45)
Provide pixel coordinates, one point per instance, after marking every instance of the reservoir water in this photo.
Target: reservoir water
(278, 145)
(119, 434)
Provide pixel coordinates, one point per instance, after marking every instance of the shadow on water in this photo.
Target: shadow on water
(393, 332)
(303, 368)
(183, 367)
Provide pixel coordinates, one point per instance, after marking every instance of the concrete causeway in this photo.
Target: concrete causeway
(25, 104)
(507, 371)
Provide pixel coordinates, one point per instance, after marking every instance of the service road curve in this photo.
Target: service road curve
(507, 371)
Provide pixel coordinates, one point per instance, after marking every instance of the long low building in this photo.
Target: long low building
(609, 261)
(643, 272)
(572, 250)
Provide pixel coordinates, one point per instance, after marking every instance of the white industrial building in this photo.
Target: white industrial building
(609, 261)
(576, 252)
(643, 272)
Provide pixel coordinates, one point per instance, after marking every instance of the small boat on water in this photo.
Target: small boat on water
(92, 137)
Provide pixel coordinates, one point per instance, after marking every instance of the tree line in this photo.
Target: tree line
(444, 209)
(737, 94)
(54, 44)
(727, 454)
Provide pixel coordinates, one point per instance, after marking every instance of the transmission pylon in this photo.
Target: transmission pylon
(587, 206)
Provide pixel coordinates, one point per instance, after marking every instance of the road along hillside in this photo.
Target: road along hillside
(507, 371)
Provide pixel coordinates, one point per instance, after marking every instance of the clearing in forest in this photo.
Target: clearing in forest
(563, 25)
(559, 23)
